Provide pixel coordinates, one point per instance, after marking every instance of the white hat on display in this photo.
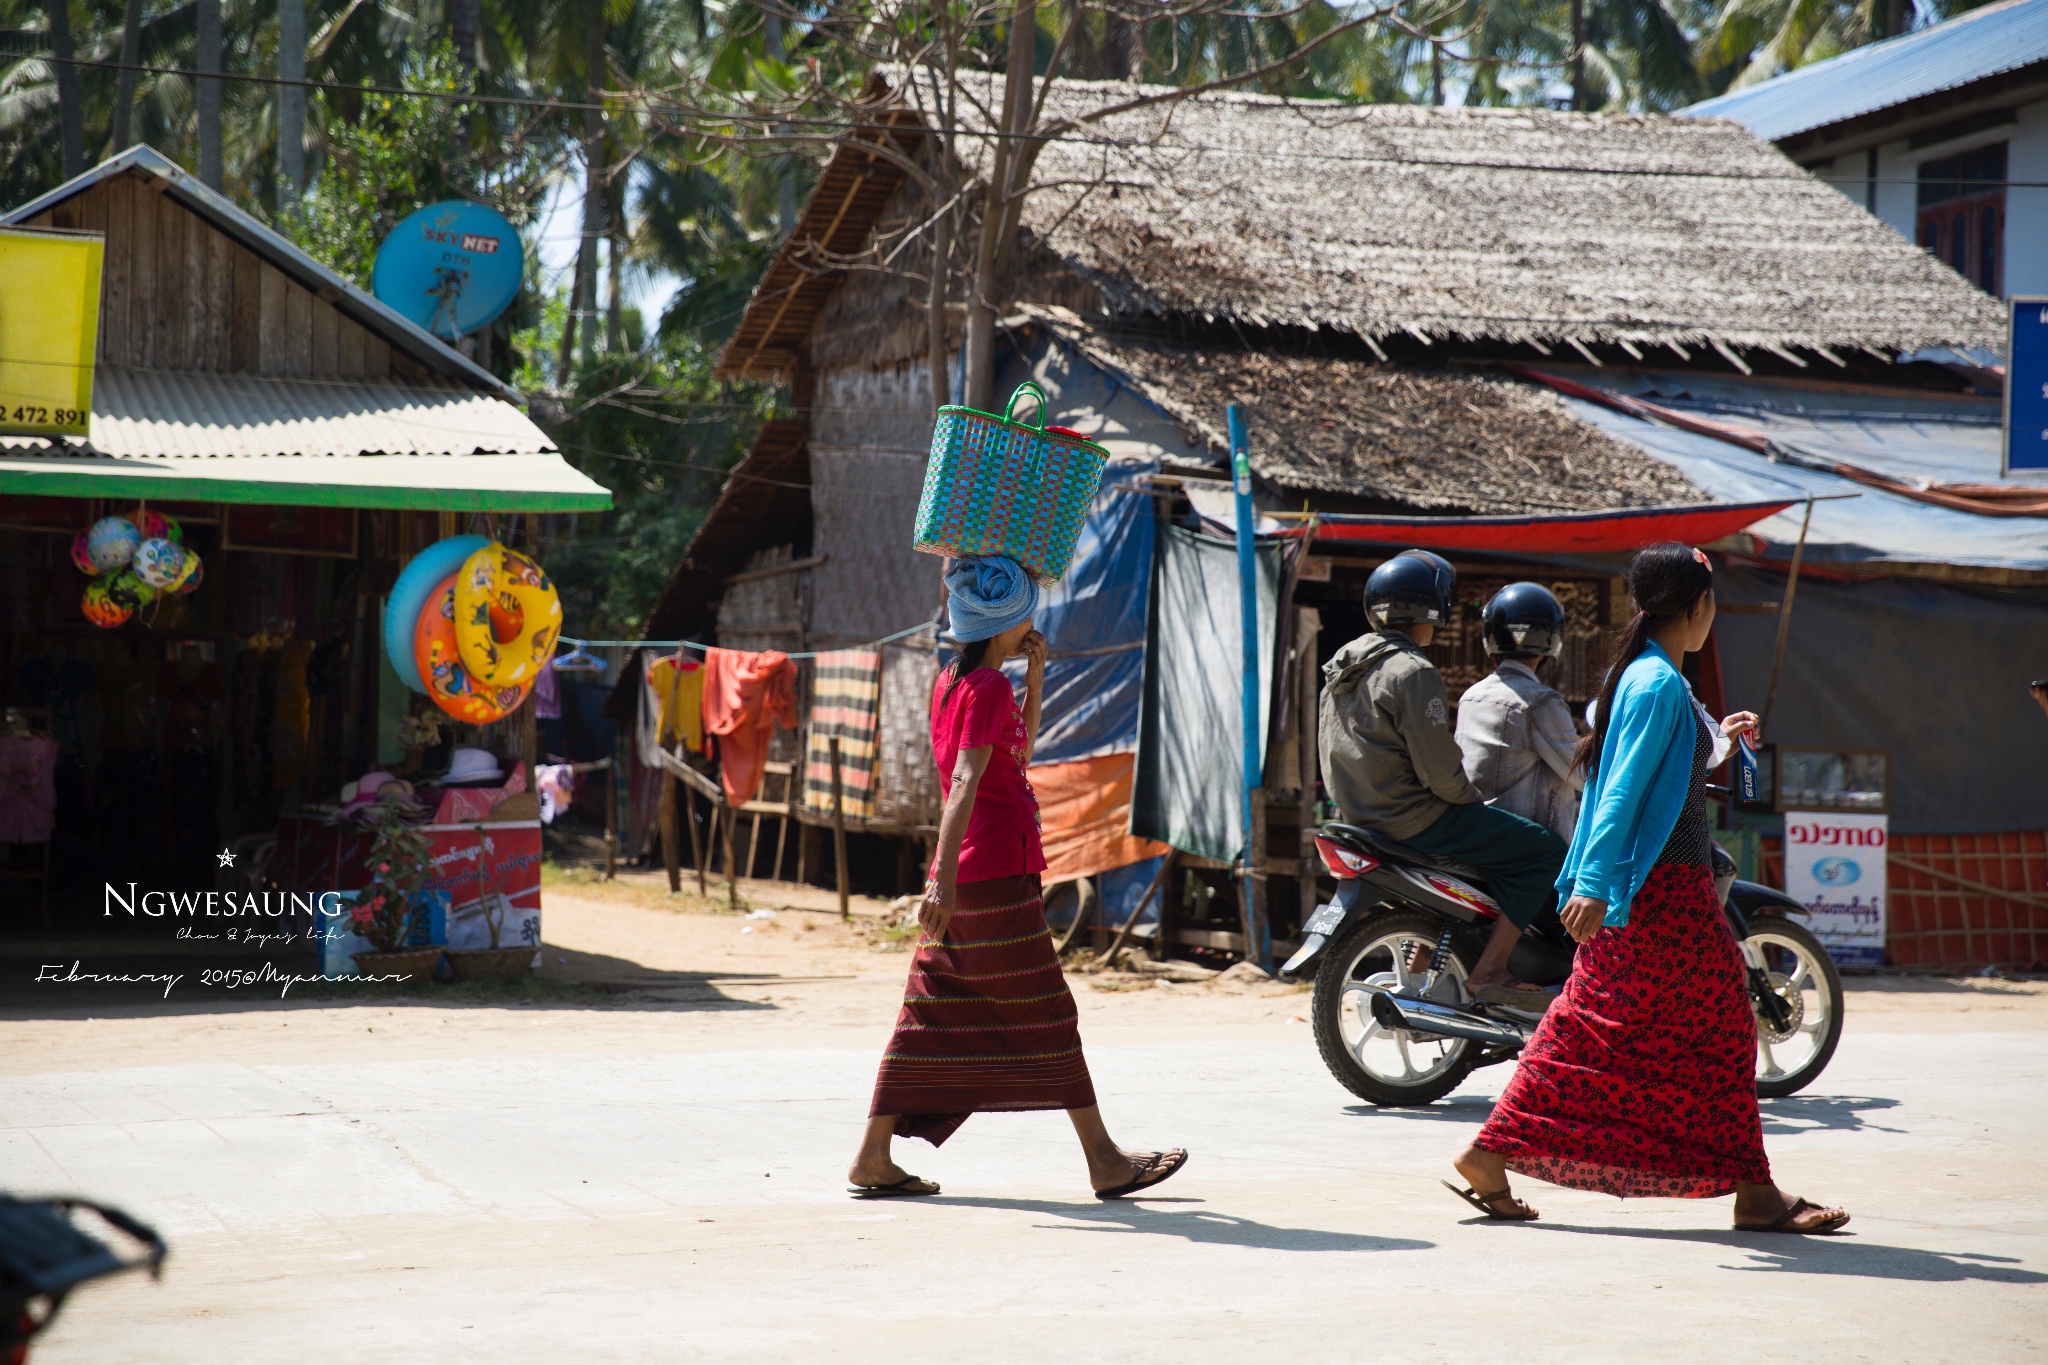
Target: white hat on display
(473, 766)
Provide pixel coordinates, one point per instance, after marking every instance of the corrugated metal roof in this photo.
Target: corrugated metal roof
(1970, 47)
(217, 209)
(159, 414)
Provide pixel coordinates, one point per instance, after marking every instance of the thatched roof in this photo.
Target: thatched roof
(1434, 441)
(1515, 225)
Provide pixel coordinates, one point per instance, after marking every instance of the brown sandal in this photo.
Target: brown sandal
(1488, 1204)
(1782, 1223)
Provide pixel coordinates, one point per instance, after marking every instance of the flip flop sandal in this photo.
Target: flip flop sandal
(1783, 1222)
(909, 1187)
(1153, 1168)
(1486, 1203)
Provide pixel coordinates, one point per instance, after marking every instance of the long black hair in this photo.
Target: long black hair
(1664, 582)
(972, 655)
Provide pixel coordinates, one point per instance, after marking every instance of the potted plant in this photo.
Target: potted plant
(386, 910)
(492, 963)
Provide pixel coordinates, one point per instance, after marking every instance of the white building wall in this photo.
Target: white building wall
(1895, 198)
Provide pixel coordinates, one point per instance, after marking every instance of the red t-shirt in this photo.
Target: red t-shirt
(1002, 830)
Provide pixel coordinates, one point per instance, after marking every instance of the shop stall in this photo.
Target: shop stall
(196, 589)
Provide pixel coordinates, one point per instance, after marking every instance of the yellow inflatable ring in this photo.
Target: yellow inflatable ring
(507, 617)
(451, 686)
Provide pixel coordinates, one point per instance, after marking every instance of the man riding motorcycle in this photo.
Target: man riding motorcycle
(1516, 732)
(1391, 764)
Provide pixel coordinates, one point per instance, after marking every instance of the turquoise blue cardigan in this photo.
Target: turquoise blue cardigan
(1633, 800)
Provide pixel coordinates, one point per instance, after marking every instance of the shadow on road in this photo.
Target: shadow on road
(1838, 1255)
(1193, 1225)
(1472, 1109)
(1814, 1113)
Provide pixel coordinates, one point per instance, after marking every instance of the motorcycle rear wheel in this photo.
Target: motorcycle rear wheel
(1803, 974)
(1376, 1064)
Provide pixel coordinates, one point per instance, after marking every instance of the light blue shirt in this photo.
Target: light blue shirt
(1633, 800)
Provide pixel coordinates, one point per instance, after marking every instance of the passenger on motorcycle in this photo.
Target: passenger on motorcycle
(1516, 731)
(1391, 764)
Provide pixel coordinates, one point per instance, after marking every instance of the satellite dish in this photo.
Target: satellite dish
(450, 267)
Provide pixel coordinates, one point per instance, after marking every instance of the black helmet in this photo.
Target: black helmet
(1524, 621)
(1412, 588)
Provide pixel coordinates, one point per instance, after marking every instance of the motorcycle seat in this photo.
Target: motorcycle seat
(1393, 850)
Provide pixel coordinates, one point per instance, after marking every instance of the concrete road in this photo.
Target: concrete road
(663, 1182)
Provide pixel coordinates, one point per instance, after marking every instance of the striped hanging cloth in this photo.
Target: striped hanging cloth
(845, 701)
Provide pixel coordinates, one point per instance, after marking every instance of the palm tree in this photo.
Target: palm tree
(1746, 41)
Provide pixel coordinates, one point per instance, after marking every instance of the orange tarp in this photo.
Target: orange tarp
(1084, 812)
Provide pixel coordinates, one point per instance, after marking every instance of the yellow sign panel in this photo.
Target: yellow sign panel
(49, 330)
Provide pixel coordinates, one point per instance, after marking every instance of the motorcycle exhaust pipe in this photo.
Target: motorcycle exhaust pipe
(1417, 1015)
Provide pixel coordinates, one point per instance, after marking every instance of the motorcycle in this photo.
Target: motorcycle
(1396, 1025)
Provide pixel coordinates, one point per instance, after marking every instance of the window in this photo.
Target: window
(1962, 213)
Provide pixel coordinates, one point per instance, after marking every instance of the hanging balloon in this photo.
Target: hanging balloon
(101, 609)
(157, 526)
(159, 563)
(416, 583)
(507, 617)
(439, 661)
(126, 589)
(188, 580)
(82, 557)
(111, 543)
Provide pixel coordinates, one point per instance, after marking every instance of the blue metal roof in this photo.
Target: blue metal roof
(1984, 42)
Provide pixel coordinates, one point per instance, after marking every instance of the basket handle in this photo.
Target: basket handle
(1027, 387)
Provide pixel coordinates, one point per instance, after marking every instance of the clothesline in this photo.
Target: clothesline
(692, 644)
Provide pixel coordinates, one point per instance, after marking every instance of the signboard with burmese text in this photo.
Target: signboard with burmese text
(1835, 867)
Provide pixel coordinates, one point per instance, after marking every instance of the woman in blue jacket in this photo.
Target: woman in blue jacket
(1641, 1079)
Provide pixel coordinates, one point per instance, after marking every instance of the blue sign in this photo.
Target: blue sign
(451, 268)
(2026, 387)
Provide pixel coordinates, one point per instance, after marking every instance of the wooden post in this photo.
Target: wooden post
(611, 820)
(1258, 930)
(839, 829)
(732, 875)
(1785, 619)
(697, 841)
(668, 832)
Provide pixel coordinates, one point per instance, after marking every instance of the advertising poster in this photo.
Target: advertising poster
(1835, 867)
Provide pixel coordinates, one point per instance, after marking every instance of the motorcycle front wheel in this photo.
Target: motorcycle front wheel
(1389, 1067)
(1799, 972)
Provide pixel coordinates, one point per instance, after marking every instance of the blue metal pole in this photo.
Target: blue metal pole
(1258, 945)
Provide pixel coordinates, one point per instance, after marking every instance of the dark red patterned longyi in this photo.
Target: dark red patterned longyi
(987, 1023)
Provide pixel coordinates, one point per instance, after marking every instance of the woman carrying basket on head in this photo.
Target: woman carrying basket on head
(1641, 1079)
(987, 1022)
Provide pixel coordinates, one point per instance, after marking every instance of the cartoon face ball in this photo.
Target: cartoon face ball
(83, 557)
(449, 682)
(111, 543)
(507, 616)
(159, 563)
(127, 589)
(101, 609)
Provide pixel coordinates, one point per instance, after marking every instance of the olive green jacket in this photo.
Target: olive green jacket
(1390, 761)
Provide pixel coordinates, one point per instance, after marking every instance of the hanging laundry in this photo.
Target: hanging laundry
(846, 694)
(547, 693)
(28, 788)
(746, 695)
(676, 687)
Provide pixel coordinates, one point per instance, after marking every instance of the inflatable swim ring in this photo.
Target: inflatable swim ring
(451, 685)
(416, 582)
(507, 616)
